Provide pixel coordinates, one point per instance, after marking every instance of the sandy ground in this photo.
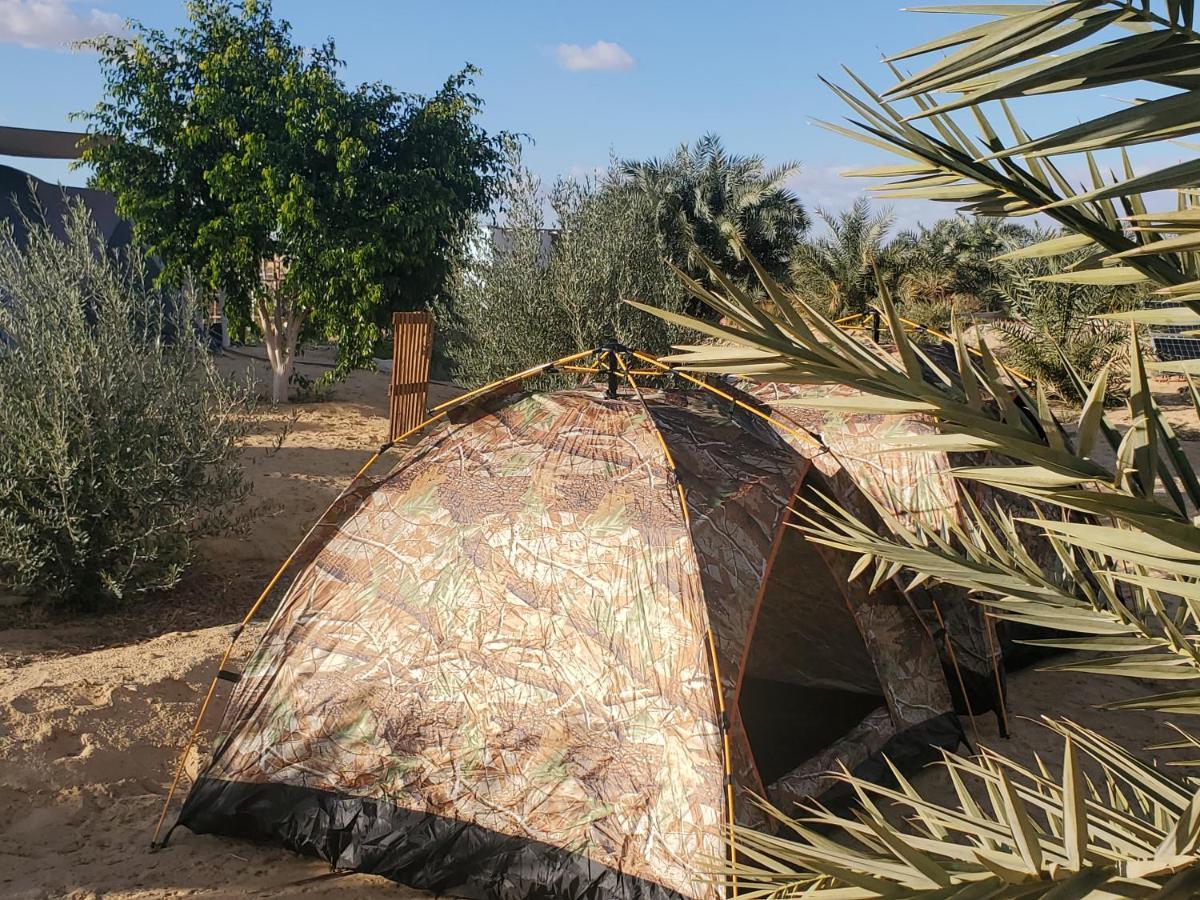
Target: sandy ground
(92, 712)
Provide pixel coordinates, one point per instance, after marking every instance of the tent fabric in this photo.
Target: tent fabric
(835, 655)
(912, 486)
(494, 678)
(916, 487)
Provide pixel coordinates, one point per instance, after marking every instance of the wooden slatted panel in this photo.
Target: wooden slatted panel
(412, 337)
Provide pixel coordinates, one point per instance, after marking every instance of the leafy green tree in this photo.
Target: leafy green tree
(708, 201)
(232, 147)
(837, 270)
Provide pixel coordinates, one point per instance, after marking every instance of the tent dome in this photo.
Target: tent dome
(554, 651)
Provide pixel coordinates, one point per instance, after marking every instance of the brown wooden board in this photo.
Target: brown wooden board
(412, 344)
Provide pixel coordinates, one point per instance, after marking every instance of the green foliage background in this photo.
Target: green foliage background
(228, 144)
(706, 202)
(545, 293)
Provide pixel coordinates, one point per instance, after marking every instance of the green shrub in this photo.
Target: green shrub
(547, 293)
(951, 263)
(119, 437)
(312, 390)
(927, 296)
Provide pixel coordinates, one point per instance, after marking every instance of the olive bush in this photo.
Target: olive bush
(118, 437)
(531, 293)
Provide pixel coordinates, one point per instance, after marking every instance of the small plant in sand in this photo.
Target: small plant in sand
(119, 442)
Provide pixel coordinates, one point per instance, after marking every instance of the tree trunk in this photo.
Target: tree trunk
(280, 322)
(281, 374)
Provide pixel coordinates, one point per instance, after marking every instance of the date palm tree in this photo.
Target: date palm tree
(837, 269)
(958, 253)
(709, 202)
(1134, 833)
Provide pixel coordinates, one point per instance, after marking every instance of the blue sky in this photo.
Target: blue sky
(583, 80)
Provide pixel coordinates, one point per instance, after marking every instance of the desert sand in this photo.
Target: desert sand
(93, 712)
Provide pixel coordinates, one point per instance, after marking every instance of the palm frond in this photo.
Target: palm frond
(1130, 832)
(1028, 50)
(1112, 570)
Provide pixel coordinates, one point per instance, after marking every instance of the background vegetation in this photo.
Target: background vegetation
(1054, 330)
(536, 294)
(229, 146)
(707, 202)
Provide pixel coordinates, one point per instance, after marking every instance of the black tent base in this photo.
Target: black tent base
(418, 849)
(459, 859)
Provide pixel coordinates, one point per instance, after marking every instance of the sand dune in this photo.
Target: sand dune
(92, 712)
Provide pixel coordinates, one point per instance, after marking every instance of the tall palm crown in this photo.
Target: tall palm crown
(708, 201)
(836, 270)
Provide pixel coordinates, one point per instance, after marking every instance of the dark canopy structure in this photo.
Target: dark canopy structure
(26, 199)
(40, 143)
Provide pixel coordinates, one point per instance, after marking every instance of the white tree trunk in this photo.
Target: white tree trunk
(280, 322)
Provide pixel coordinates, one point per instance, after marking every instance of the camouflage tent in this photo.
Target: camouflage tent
(555, 651)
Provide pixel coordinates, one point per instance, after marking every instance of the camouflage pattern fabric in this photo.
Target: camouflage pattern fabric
(853, 452)
(811, 778)
(510, 630)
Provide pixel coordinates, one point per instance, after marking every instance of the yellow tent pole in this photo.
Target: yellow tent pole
(994, 653)
(519, 376)
(439, 412)
(725, 395)
(962, 685)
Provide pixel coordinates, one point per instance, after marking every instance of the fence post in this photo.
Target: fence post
(412, 347)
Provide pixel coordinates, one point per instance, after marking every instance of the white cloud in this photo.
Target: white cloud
(53, 23)
(602, 56)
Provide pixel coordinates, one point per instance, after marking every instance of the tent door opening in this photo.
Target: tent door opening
(809, 679)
